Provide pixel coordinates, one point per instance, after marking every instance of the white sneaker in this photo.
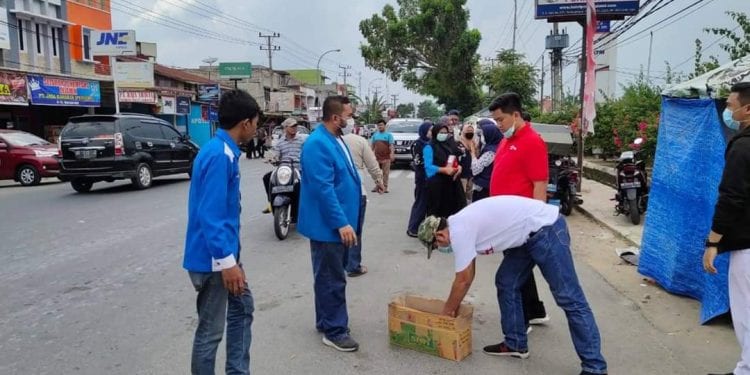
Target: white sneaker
(540, 321)
(529, 329)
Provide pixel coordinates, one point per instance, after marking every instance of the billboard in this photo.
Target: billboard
(13, 89)
(64, 91)
(134, 74)
(572, 9)
(183, 105)
(113, 42)
(4, 30)
(209, 93)
(235, 70)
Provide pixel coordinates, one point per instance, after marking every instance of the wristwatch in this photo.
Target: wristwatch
(711, 244)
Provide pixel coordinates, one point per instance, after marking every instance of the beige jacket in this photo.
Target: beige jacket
(363, 157)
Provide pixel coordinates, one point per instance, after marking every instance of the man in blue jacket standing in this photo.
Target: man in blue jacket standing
(330, 189)
(212, 247)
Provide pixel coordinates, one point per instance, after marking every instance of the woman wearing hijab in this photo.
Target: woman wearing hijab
(445, 195)
(467, 141)
(482, 161)
(419, 207)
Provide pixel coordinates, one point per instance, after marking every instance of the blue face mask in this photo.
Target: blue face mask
(445, 249)
(509, 133)
(730, 122)
(442, 137)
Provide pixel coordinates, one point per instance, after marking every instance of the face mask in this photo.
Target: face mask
(469, 135)
(729, 120)
(350, 122)
(509, 133)
(442, 137)
(445, 249)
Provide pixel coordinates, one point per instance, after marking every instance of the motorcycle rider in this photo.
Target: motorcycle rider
(287, 149)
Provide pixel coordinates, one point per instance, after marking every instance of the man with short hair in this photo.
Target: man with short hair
(521, 169)
(527, 232)
(330, 190)
(287, 149)
(732, 216)
(212, 245)
(383, 146)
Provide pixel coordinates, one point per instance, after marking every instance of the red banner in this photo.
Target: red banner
(589, 88)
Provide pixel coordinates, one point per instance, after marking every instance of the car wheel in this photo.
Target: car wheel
(27, 175)
(143, 177)
(81, 186)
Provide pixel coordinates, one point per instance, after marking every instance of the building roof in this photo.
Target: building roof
(180, 75)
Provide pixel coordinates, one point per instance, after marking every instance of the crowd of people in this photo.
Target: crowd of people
(459, 183)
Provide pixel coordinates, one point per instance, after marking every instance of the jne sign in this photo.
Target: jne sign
(113, 42)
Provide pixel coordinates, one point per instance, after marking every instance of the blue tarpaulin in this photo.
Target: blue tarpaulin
(687, 170)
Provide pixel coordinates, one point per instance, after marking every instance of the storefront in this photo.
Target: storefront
(14, 101)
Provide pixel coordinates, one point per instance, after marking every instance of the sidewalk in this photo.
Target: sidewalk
(598, 206)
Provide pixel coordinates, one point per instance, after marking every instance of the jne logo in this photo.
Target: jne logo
(114, 38)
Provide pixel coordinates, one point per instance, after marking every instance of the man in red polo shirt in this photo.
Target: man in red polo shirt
(521, 169)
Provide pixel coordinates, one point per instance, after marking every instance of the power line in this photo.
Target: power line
(704, 49)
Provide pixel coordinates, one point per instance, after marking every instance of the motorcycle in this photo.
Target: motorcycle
(563, 187)
(632, 194)
(285, 180)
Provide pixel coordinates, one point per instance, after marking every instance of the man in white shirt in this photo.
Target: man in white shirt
(527, 232)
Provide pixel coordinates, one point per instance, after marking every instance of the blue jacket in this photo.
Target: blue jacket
(213, 230)
(330, 190)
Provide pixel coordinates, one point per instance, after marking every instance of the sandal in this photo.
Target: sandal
(362, 270)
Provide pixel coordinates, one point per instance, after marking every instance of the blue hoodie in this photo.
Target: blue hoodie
(213, 231)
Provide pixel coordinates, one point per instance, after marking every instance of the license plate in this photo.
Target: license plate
(629, 185)
(282, 189)
(85, 154)
(401, 150)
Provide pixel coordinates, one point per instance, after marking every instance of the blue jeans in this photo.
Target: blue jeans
(328, 260)
(419, 208)
(549, 248)
(355, 252)
(215, 306)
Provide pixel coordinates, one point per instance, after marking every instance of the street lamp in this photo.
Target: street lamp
(210, 61)
(317, 67)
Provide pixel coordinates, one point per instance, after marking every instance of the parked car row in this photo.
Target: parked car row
(95, 148)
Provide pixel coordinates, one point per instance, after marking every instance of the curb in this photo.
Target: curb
(601, 222)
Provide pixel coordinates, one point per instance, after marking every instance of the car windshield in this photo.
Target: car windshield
(405, 127)
(24, 139)
(89, 129)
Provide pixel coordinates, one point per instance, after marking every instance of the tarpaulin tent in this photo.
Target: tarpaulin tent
(687, 170)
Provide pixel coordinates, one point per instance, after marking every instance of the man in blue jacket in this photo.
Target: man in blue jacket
(212, 246)
(331, 190)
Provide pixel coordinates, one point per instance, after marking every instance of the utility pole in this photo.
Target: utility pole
(345, 74)
(394, 97)
(650, 49)
(556, 42)
(491, 60)
(270, 48)
(541, 90)
(377, 90)
(359, 86)
(515, 22)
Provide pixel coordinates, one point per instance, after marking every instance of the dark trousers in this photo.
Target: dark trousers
(328, 261)
(419, 208)
(267, 185)
(260, 148)
(354, 263)
(479, 195)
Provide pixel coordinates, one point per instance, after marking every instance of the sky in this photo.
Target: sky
(188, 31)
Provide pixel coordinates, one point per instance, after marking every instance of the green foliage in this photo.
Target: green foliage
(739, 44)
(701, 66)
(513, 73)
(374, 106)
(427, 45)
(405, 110)
(428, 109)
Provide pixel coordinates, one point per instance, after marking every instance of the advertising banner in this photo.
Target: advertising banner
(113, 42)
(56, 91)
(577, 8)
(134, 74)
(147, 97)
(183, 105)
(208, 93)
(168, 105)
(235, 70)
(13, 89)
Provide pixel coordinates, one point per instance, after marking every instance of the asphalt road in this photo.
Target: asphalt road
(93, 284)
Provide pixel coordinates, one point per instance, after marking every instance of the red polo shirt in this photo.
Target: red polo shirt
(520, 160)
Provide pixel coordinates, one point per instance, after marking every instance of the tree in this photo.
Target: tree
(405, 110)
(374, 106)
(513, 73)
(701, 66)
(428, 109)
(428, 46)
(739, 45)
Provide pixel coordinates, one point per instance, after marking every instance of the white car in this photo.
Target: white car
(405, 132)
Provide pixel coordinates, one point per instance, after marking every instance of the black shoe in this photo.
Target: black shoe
(410, 234)
(591, 373)
(361, 271)
(728, 373)
(345, 344)
(503, 350)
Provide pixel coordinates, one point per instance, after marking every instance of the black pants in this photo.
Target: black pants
(419, 207)
(267, 185)
(260, 149)
(533, 308)
(250, 147)
(479, 195)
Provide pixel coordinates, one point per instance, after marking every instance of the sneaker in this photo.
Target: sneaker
(345, 344)
(591, 373)
(540, 321)
(503, 350)
(267, 210)
(529, 328)
(410, 234)
(361, 271)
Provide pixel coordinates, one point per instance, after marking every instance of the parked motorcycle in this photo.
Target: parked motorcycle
(632, 194)
(285, 180)
(562, 189)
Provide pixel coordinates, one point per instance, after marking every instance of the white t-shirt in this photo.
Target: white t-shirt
(346, 151)
(496, 224)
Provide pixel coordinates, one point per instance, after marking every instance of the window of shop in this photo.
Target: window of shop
(55, 34)
(86, 44)
(38, 38)
(21, 45)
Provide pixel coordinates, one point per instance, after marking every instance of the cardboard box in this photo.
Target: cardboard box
(415, 322)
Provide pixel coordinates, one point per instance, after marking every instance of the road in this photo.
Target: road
(93, 284)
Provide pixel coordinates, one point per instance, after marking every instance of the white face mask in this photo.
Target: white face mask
(350, 122)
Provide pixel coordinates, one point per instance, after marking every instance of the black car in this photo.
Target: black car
(122, 146)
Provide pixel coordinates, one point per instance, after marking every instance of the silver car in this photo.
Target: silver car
(405, 132)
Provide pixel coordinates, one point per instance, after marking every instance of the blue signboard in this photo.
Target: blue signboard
(183, 105)
(213, 113)
(577, 8)
(208, 93)
(603, 26)
(47, 90)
